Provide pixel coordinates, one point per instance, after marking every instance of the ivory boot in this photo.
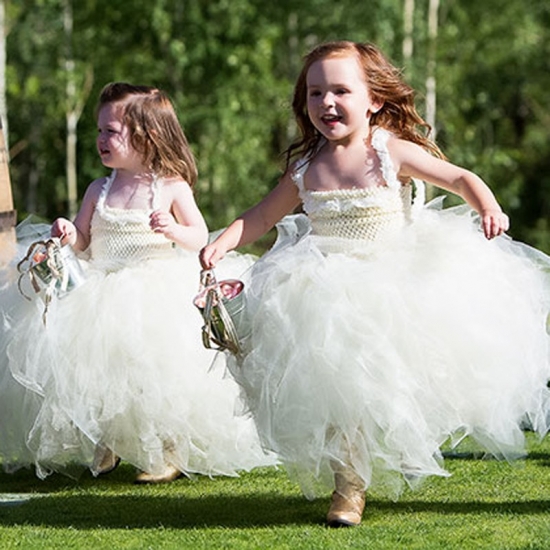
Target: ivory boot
(105, 461)
(171, 473)
(348, 500)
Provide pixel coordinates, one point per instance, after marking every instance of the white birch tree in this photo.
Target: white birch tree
(408, 28)
(75, 101)
(431, 88)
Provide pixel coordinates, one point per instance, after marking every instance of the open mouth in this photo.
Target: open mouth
(331, 119)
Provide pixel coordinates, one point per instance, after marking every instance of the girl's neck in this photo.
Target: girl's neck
(345, 166)
(350, 147)
(125, 177)
(351, 143)
(132, 190)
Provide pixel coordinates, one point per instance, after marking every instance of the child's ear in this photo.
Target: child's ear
(375, 106)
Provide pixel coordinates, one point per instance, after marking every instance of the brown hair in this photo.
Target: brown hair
(155, 132)
(397, 115)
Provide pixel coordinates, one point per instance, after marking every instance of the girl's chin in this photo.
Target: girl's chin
(106, 161)
(332, 133)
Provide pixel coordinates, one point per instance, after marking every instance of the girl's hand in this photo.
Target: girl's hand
(165, 223)
(65, 230)
(210, 255)
(494, 223)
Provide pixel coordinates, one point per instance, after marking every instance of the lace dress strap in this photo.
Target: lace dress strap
(298, 173)
(379, 142)
(122, 215)
(100, 206)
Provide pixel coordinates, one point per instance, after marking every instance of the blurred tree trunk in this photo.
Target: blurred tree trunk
(3, 104)
(431, 94)
(7, 213)
(72, 113)
(431, 91)
(75, 103)
(408, 27)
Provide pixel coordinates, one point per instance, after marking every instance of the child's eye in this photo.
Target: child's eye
(314, 93)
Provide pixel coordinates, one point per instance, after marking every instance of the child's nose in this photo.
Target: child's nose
(328, 99)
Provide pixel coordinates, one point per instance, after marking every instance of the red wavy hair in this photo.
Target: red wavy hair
(386, 85)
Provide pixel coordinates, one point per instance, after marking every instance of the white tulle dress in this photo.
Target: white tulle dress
(120, 363)
(383, 329)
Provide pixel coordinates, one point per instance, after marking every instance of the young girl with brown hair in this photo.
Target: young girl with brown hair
(382, 327)
(119, 369)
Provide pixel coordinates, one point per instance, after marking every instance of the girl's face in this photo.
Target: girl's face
(113, 139)
(338, 99)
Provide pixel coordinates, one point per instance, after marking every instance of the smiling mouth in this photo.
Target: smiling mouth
(331, 119)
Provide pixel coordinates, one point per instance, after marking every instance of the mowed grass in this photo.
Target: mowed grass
(484, 504)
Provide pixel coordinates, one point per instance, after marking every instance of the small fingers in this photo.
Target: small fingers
(158, 221)
(208, 257)
(64, 231)
(495, 224)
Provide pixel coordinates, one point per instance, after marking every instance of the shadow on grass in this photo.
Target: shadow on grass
(147, 512)
(59, 502)
(542, 459)
(539, 458)
(89, 503)
(263, 499)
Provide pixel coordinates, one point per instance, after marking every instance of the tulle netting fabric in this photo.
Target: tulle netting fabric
(120, 363)
(376, 352)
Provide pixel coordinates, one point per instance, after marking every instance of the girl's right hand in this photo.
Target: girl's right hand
(65, 230)
(494, 223)
(210, 255)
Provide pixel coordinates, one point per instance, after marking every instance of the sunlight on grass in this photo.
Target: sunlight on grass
(484, 504)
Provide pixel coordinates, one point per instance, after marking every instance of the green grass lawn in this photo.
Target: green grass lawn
(484, 504)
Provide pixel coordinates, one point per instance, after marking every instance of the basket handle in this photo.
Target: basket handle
(214, 299)
(25, 266)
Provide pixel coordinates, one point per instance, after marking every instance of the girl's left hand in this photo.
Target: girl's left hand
(494, 223)
(163, 222)
(65, 230)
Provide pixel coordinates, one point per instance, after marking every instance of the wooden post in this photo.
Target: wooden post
(8, 217)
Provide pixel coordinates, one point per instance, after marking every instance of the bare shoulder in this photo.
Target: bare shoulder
(289, 174)
(94, 189)
(175, 186)
(292, 170)
(176, 195)
(408, 158)
(398, 146)
(91, 197)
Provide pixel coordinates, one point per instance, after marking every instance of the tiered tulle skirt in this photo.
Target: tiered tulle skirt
(120, 363)
(377, 354)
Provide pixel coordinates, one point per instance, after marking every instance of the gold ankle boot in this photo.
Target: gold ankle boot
(171, 473)
(348, 500)
(105, 461)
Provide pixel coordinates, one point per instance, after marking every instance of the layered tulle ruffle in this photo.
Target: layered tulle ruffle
(120, 363)
(378, 353)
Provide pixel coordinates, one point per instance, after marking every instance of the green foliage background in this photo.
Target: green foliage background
(229, 66)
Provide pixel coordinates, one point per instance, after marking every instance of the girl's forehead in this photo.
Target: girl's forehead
(112, 112)
(342, 68)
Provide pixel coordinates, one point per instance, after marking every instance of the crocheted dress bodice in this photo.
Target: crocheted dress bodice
(359, 213)
(120, 236)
